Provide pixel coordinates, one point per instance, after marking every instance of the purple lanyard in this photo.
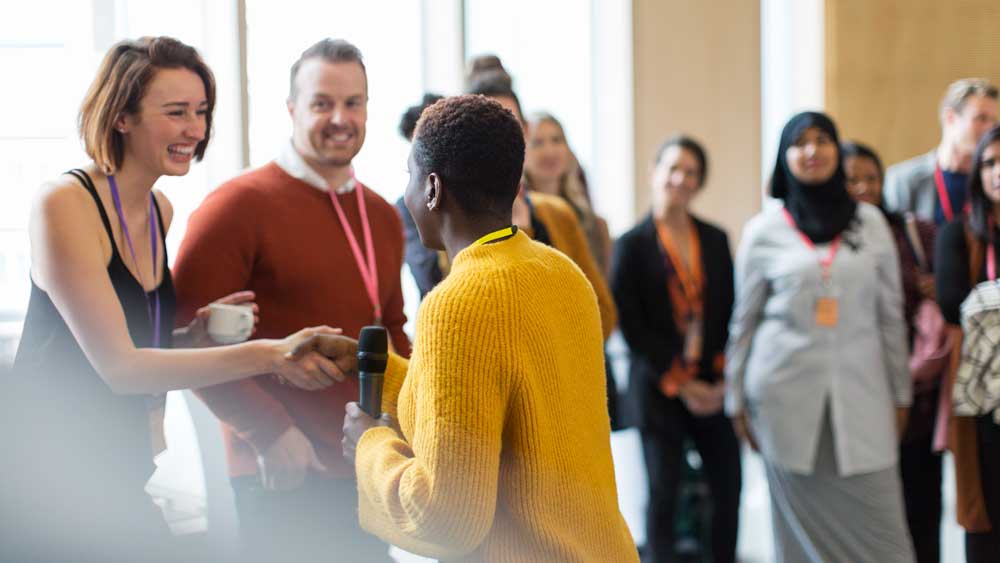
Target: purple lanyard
(152, 310)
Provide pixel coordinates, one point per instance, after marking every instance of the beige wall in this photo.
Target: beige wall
(888, 63)
(697, 71)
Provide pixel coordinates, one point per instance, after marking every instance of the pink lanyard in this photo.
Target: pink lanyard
(825, 263)
(368, 271)
(152, 310)
(991, 258)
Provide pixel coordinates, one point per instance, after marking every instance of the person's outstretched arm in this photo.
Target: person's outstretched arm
(69, 265)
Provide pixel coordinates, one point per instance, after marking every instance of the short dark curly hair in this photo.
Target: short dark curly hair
(408, 121)
(476, 147)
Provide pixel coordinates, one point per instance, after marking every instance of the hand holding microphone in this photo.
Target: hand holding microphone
(373, 355)
(368, 358)
(356, 423)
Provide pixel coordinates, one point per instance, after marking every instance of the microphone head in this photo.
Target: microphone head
(373, 349)
(374, 339)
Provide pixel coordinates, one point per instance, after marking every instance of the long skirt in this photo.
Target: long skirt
(827, 518)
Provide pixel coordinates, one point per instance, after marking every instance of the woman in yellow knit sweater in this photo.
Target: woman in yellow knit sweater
(502, 450)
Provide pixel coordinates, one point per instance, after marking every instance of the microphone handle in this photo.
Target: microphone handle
(371, 393)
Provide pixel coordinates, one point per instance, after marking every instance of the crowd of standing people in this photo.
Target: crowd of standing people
(849, 343)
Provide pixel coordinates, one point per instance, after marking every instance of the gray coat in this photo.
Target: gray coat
(784, 370)
(909, 186)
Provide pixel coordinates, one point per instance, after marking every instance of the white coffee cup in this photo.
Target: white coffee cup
(229, 324)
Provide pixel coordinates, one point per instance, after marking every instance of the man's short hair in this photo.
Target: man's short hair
(331, 51)
(476, 147)
(960, 91)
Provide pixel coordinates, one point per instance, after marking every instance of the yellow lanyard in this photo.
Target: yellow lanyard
(496, 235)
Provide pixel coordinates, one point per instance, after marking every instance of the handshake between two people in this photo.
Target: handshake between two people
(334, 351)
(310, 359)
(316, 358)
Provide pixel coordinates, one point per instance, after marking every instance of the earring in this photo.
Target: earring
(430, 206)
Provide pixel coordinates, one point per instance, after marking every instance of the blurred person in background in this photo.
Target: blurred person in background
(966, 255)
(932, 186)
(920, 462)
(816, 365)
(673, 284)
(427, 266)
(550, 167)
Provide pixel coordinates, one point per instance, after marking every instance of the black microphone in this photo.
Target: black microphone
(373, 347)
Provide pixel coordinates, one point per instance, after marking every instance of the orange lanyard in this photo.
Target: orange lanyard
(367, 268)
(691, 276)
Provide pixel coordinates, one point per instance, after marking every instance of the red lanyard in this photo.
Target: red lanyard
(942, 191)
(368, 271)
(824, 263)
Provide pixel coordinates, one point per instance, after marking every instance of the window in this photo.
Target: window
(572, 59)
(38, 139)
(550, 63)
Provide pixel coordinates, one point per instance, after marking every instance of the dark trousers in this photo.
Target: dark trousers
(920, 471)
(316, 522)
(985, 547)
(662, 448)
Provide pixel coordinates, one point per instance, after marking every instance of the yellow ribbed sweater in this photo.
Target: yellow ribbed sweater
(505, 450)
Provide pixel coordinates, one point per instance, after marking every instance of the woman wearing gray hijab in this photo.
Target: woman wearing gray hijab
(817, 377)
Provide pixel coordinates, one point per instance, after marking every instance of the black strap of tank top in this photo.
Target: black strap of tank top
(541, 233)
(88, 184)
(163, 229)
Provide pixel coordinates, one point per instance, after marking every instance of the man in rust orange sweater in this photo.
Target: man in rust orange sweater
(317, 247)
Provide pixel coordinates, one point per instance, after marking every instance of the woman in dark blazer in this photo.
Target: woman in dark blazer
(673, 283)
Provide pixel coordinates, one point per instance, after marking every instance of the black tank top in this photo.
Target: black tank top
(74, 417)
